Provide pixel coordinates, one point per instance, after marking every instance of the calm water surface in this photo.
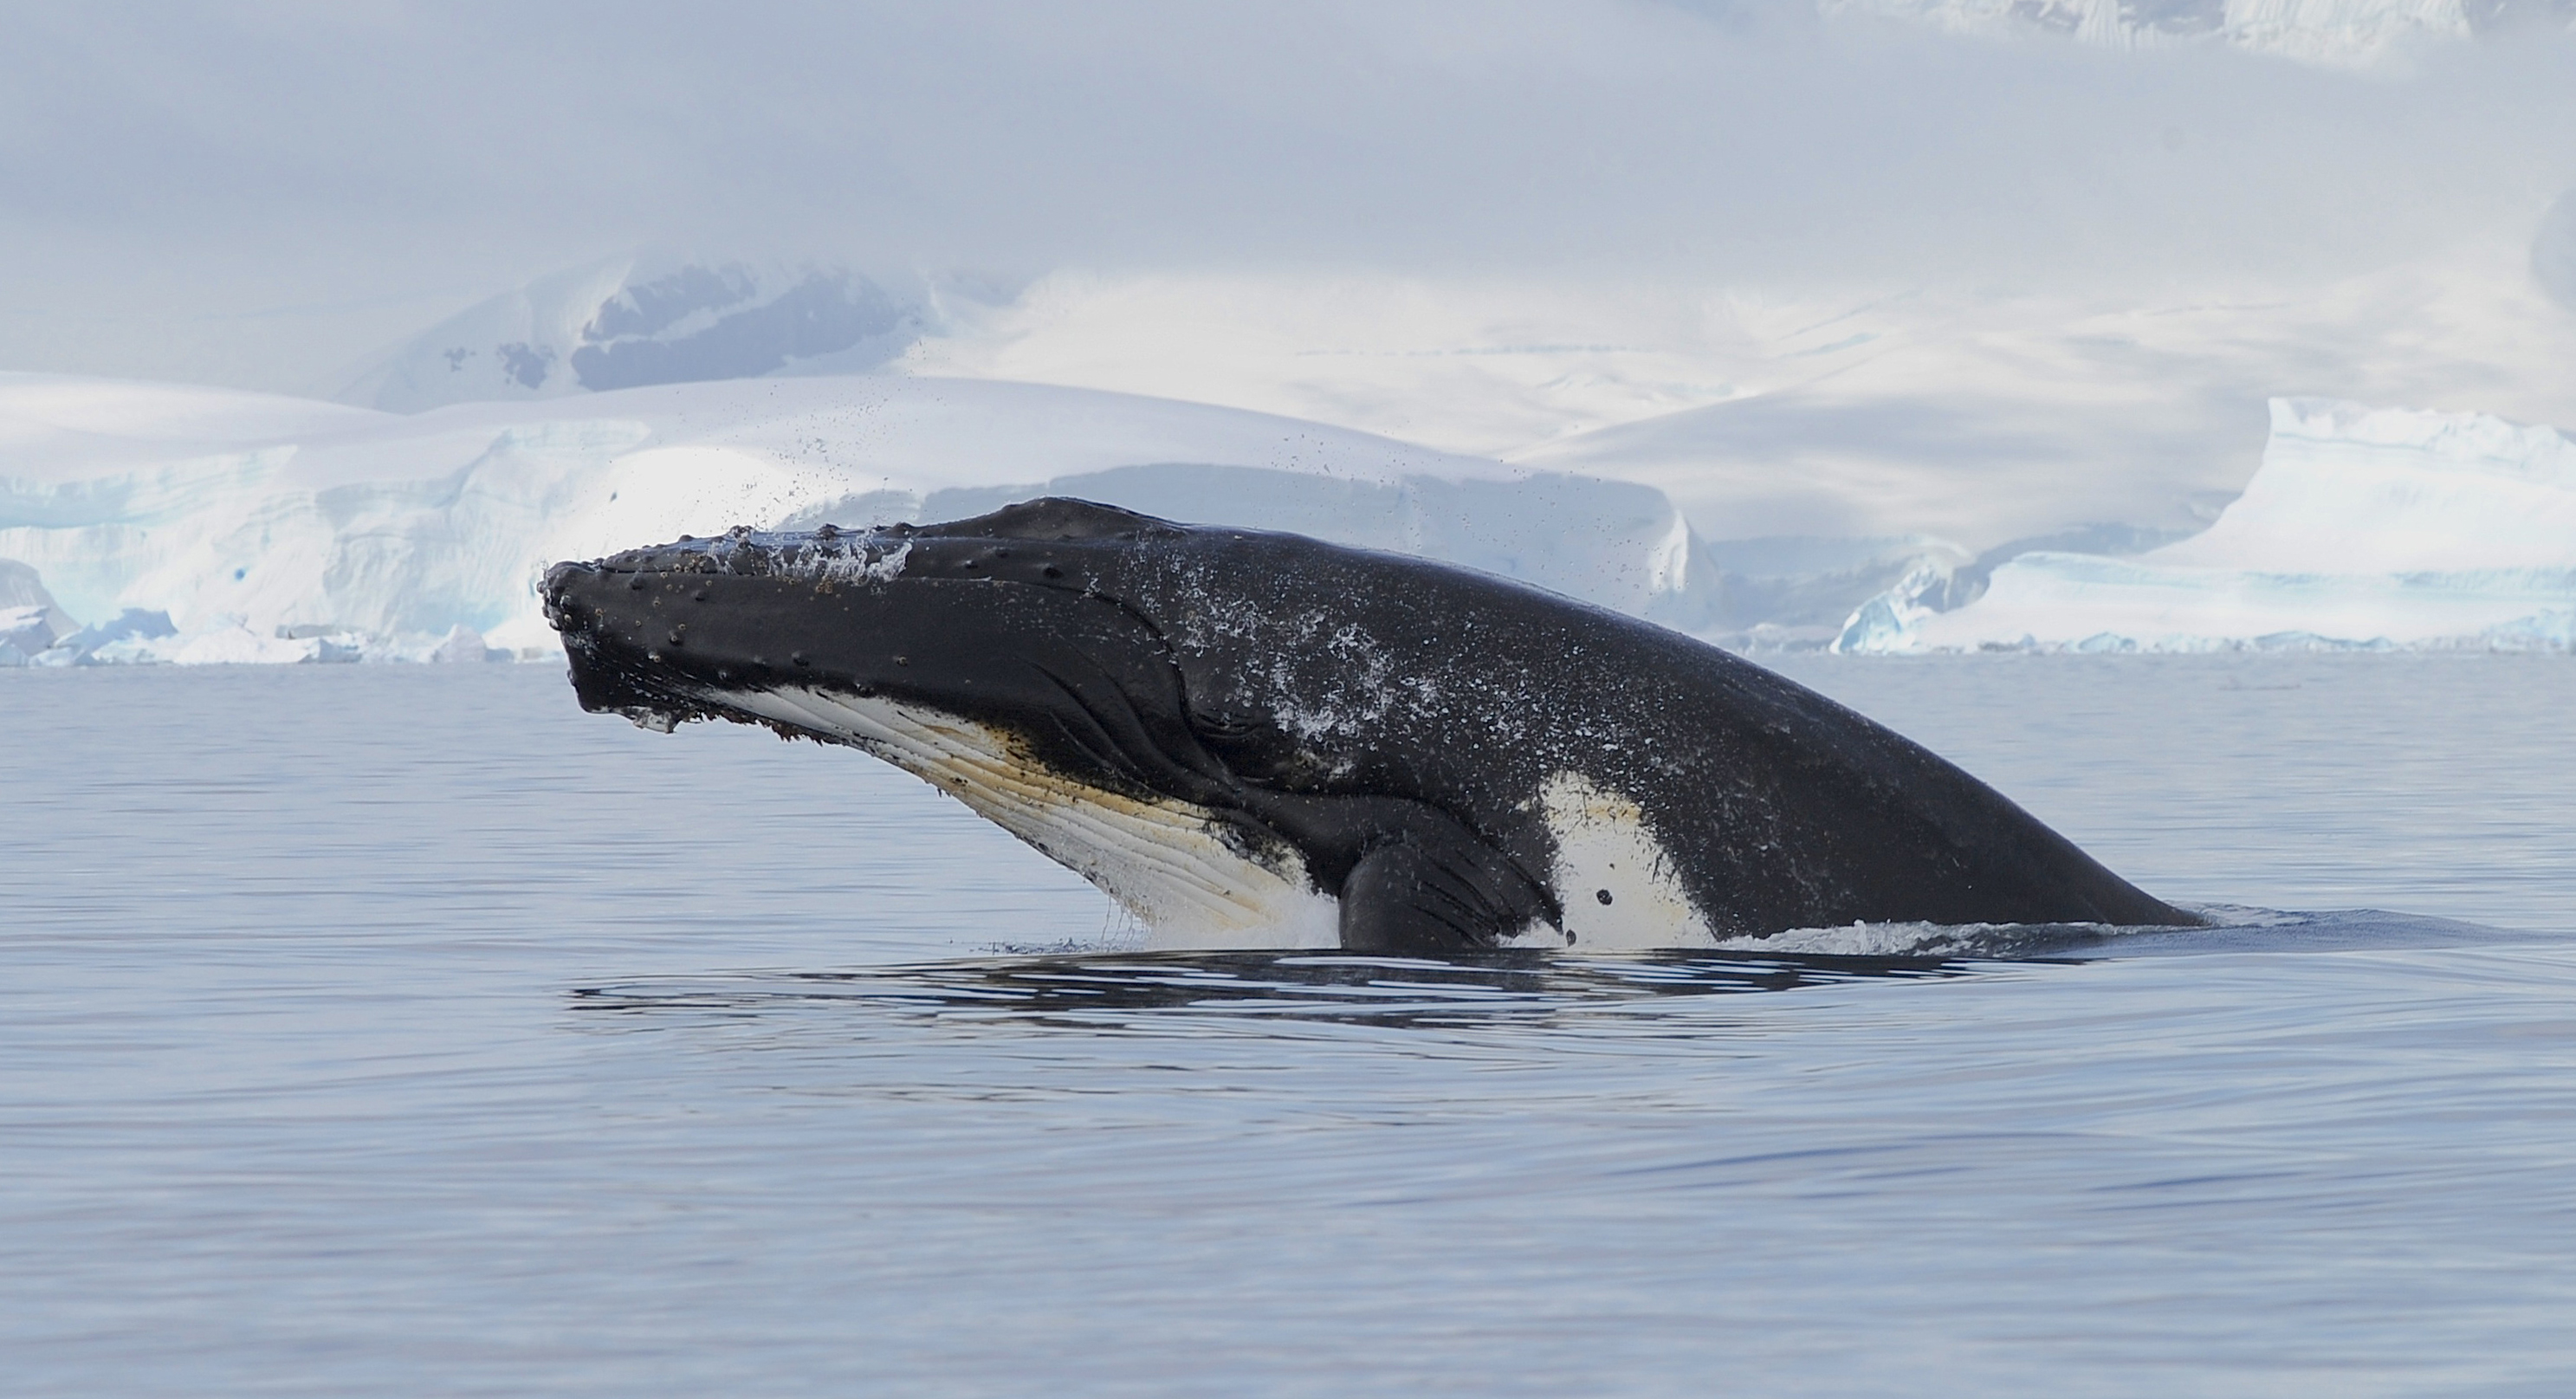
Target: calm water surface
(401, 1031)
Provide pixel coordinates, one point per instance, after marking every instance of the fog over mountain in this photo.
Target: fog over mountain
(261, 196)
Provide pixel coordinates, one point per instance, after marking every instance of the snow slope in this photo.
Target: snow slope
(1861, 412)
(2363, 527)
(269, 530)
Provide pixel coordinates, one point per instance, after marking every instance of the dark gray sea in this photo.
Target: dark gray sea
(400, 1031)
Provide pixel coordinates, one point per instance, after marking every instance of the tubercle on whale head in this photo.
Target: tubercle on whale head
(1053, 542)
(977, 625)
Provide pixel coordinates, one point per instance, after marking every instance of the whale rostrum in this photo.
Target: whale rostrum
(1258, 739)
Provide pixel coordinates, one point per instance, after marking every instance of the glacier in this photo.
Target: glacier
(2363, 528)
(217, 526)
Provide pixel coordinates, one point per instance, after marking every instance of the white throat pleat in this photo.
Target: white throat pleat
(1164, 860)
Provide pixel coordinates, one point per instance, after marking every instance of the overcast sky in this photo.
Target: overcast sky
(258, 193)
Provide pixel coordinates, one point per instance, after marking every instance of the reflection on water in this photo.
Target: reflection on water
(1089, 991)
(1097, 989)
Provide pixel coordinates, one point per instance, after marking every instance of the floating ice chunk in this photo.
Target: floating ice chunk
(134, 625)
(30, 623)
(1889, 621)
(228, 642)
(464, 645)
(25, 631)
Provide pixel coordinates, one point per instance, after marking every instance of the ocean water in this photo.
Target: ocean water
(395, 1031)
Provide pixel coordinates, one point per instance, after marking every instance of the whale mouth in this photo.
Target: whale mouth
(996, 695)
(610, 678)
(625, 629)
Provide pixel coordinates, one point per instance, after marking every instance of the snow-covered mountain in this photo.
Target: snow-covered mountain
(268, 530)
(2364, 527)
(1864, 412)
(2340, 32)
(633, 321)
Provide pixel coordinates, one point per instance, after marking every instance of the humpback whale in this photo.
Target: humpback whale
(1256, 739)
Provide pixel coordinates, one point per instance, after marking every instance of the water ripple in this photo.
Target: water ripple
(1116, 988)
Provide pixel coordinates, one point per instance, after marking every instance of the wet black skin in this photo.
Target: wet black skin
(1391, 720)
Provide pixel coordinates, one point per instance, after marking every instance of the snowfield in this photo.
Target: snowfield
(2363, 528)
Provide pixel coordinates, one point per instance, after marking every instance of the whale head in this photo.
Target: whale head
(1010, 660)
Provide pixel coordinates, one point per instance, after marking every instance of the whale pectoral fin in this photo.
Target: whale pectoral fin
(1436, 895)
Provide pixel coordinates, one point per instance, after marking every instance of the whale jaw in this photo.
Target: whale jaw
(1192, 878)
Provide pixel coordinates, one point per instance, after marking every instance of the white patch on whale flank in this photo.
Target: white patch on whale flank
(1163, 861)
(1604, 846)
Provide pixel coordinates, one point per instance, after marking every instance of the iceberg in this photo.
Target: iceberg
(29, 620)
(30, 623)
(272, 531)
(2364, 527)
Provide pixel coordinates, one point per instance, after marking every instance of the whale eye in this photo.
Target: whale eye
(1051, 571)
(1602, 894)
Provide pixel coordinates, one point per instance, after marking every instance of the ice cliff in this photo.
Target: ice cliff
(235, 527)
(2363, 527)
